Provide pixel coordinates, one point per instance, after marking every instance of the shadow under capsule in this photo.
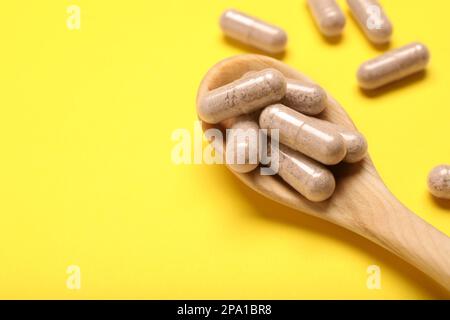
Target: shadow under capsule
(442, 203)
(264, 208)
(381, 46)
(396, 85)
(334, 40)
(249, 49)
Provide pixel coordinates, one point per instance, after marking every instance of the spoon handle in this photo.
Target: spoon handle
(387, 222)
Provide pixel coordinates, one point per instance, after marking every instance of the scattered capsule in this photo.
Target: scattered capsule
(310, 178)
(328, 16)
(303, 134)
(242, 96)
(371, 18)
(306, 98)
(393, 65)
(439, 181)
(253, 31)
(242, 143)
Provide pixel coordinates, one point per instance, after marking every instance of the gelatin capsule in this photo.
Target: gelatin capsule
(242, 96)
(306, 98)
(393, 65)
(242, 143)
(253, 32)
(439, 181)
(328, 16)
(303, 134)
(355, 142)
(371, 18)
(310, 178)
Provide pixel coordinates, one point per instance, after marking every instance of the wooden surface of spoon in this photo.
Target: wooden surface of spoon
(361, 202)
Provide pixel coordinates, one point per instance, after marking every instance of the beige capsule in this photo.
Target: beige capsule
(372, 19)
(242, 96)
(328, 16)
(253, 32)
(393, 65)
(304, 97)
(439, 181)
(355, 142)
(242, 143)
(310, 178)
(303, 134)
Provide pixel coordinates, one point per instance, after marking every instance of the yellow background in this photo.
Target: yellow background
(86, 176)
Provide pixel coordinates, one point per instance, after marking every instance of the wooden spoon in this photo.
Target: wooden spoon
(361, 202)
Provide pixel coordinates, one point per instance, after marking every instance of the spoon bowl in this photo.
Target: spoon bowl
(361, 201)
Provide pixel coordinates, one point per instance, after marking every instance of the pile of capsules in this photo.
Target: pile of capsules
(306, 143)
(389, 67)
